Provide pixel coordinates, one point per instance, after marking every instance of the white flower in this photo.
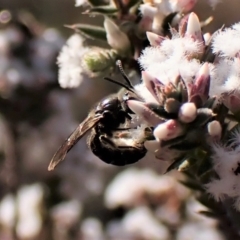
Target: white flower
(140, 183)
(226, 42)
(7, 211)
(70, 62)
(79, 3)
(170, 59)
(142, 223)
(226, 163)
(29, 200)
(92, 229)
(66, 214)
(225, 77)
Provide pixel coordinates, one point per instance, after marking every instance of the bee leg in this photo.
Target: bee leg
(122, 129)
(127, 115)
(106, 141)
(129, 147)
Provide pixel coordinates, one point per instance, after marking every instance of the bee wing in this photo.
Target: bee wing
(77, 134)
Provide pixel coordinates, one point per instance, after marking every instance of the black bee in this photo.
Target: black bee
(111, 138)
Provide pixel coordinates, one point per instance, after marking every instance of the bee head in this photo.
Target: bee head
(108, 104)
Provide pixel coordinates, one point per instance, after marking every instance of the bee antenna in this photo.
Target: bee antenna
(119, 83)
(119, 64)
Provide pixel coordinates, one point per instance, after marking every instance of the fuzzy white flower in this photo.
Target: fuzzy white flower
(140, 222)
(7, 211)
(139, 183)
(168, 61)
(66, 214)
(226, 163)
(29, 201)
(225, 77)
(70, 62)
(226, 43)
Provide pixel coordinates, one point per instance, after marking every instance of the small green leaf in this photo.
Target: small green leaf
(208, 201)
(103, 10)
(90, 31)
(161, 112)
(204, 115)
(209, 214)
(209, 103)
(132, 3)
(95, 2)
(192, 185)
(175, 164)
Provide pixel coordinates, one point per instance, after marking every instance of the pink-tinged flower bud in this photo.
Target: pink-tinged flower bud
(144, 112)
(187, 112)
(185, 5)
(202, 83)
(215, 129)
(151, 84)
(158, 20)
(232, 101)
(194, 28)
(154, 39)
(207, 38)
(147, 12)
(117, 39)
(168, 130)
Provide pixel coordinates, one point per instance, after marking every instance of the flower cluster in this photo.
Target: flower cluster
(180, 108)
(190, 86)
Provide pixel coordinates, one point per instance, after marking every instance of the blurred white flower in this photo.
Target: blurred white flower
(70, 62)
(91, 229)
(66, 214)
(8, 211)
(141, 223)
(154, 13)
(139, 184)
(29, 202)
(193, 231)
(79, 3)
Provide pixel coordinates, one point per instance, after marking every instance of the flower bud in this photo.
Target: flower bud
(154, 39)
(147, 13)
(232, 101)
(201, 85)
(215, 129)
(144, 112)
(151, 83)
(187, 112)
(194, 28)
(168, 130)
(98, 60)
(194, 31)
(207, 38)
(158, 20)
(117, 39)
(185, 5)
